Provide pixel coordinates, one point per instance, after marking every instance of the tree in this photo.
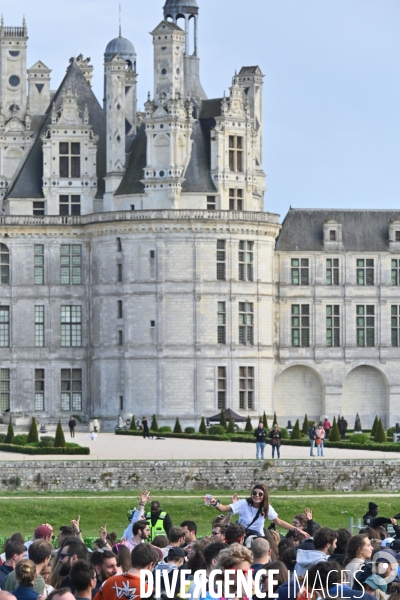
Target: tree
(296, 434)
(380, 435)
(249, 426)
(154, 424)
(357, 423)
(265, 420)
(177, 428)
(305, 426)
(222, 419)
(374, 426)
(231, 426)
(203, 428)
(334, 434)
(33, 435)
(275, 420)
(133, 424)
(59, 441)
(10, 433)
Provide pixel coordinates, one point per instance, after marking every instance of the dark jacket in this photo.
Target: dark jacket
(4, 571)
(24, 592)
(260, 435)
(275, 435)
(312, 433)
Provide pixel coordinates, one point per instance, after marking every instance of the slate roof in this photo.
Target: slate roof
(28, 183)
(131, 183)
(210, 108)
(362, 230)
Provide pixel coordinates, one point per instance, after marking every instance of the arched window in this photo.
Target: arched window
(5, 264)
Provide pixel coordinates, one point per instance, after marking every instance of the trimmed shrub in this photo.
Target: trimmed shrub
(275, 420)
(231, 426)
(46, 442)
(190, 430)
(33, 435)
(334, 434)
(154, 424)
(285, 433)
(33, 450)
(374, 426)
(59, 441)
(217, 430)
(359, 438)
(166, 429)
(296, 433)
(390, 433)
(2, 438)
(357, 423)
(249, 426)
(10, 433)
(305, 426)
(177, 428)
(380, 435)
(222, 419)
(21, 439)
(133, 424)
(203, 428)
(265, 421)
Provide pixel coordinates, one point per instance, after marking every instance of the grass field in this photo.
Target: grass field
(20, 513)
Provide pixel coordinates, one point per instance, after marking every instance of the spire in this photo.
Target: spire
(120, 21)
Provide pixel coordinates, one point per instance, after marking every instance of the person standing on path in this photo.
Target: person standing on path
(320, 439)
(327, 427)
(72, 425)
(312, 434)
(276, 436)
(261, 439)
(145, 428)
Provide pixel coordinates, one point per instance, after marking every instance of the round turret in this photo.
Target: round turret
(124, 48)
(172, 8)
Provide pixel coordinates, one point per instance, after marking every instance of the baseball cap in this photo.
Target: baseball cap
(176, 552)
(395, 545)
(43, 531)
(386, 542)
(376, 583)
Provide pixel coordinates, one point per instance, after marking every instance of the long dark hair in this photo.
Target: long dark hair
(354, 544)
(265, 503)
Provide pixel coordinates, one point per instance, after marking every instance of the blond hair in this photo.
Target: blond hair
(232, 556)
(25, 572)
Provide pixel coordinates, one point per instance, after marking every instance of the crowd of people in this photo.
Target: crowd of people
(154, 558)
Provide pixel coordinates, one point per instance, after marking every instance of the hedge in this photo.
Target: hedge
(33, 450)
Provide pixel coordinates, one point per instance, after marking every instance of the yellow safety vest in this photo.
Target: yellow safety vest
(158, 528)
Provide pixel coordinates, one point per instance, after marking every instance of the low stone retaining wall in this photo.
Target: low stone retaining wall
(90, 475)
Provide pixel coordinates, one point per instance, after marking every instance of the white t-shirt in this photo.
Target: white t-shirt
(247, 513)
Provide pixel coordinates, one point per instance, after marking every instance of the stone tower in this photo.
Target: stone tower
(39, 88)
(13, 46)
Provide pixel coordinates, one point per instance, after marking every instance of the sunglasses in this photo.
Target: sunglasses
(244, 571)
(63, 555)
(257, 494)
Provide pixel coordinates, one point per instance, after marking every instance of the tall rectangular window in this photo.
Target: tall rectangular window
(333, 325)
(236, 148)
(71, 326)
(70, 205)
(119, 309)
(5, 264)
(300, 271)
(119, 244)
(71, 389)
(119, 272)
(221, 258)
(4, 389)
(39, 264)
(4, 326)
(246, 323)
(365, 326)
(301, 325)
(246, 261)
(39, 326)
(235, 199)
(332, 271)
(71, 264)
(221, 388)
(365, 271)
(39, 389)
(120, 337)
(246, 388)
(395, 323)
(221, 323)
(395, 271)
(70, 159)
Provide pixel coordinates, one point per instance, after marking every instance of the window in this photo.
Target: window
(39, 326)
(221, 323)
(332, 235)
(235, 153)
(39, 264)
(221, 257)
(332, 271)
(38, 209)
(300, 271)
(395, 272)
(71, 389)
(5, 264)
(132, 207)
(71, 326)
(119, 245)
(246, 319)
(365, 326)
(119, 272)
(71, 264)
(4, 389)
(246, 261)
(39, 389)
(120, 338)
(121, 403)
(333, 326)
(300, 325)
(152, 324)
(397, 236)
(119, 309)
(365, 271)
(4, 326)
(70, 205)
(152, 253)
(221, 388)
(246, 388)
(395, 323)
(70, 159)
(211, 203)
(235, 199)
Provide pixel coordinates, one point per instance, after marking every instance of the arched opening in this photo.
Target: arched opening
(298, 391)
(180, 20)
(161, 151)
(364, 392)
(169, 18)
(12, 159)
(192, 50)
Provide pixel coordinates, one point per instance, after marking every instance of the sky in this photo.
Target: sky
(331, 86)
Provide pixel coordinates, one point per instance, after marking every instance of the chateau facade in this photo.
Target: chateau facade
(139, 271)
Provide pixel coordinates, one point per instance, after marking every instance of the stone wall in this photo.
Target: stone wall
(282, 475)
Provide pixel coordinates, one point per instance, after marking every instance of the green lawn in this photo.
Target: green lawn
(24, 515)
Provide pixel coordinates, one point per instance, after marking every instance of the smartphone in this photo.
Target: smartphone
(207, 500)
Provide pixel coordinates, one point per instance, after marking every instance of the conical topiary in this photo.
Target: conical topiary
(177, 428)
(357, 423)
(305, 426)
(380, 435)
(222, 419)
(231, 426)
(296, 434)
(249, 426)
(334, 434)
(265, 420)
(203, 428)
(59, 441)
(275, 420)
(154, 424)
(10, 433)
(133, 424)
(33, 435)
(374, 426)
